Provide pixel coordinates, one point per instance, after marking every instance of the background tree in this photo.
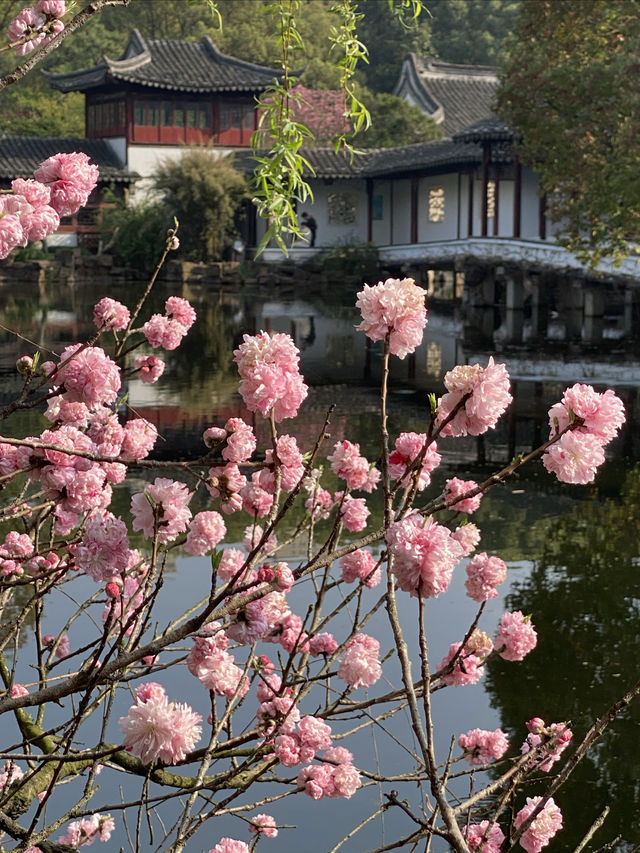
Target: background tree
(471, 32)
(395, 122)
(389, 36)
(205, 191)
(569, 90)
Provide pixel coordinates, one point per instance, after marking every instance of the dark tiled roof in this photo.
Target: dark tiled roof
(424, 155)
(455, 95)
(327, 163)
(185, 66)
(20, 156)
(487, 128)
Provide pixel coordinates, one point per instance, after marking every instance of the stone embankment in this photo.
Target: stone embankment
(72, 265)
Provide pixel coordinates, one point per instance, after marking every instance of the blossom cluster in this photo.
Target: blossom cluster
(60, 186)
(547, 742)
(33, 27)
(481, 745)
(82, 833)
(156, 729)
(596, 418)
(393, 308)
(271, 381)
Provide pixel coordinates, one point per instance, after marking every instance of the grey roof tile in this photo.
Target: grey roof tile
(327, 163)
(455, 95)
(20, 156)
(185, 66)
(490, 127)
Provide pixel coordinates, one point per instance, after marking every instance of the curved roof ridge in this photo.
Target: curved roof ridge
(136, 54)
(409, 83)
(221, 57)
(432, 65)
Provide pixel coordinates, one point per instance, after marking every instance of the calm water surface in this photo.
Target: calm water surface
(572, 553)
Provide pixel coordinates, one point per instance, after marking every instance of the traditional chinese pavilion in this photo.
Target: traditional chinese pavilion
(163, 95)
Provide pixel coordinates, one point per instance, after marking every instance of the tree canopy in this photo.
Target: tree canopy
(569, 91)
(204, 190)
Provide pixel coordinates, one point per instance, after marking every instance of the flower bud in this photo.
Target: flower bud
(24, 365)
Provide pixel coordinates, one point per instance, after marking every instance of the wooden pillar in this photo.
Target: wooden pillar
(414, 210)
(517, 196)
(542, 218)
(369, 210)
(470, 210)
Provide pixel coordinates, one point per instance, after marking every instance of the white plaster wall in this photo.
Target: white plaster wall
(505, 209)
(329, 234)
(401, 232)
(530, 205)
(448, 228)
(381, 228)
(144, 159)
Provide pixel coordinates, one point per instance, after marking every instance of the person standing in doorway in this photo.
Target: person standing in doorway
(310, 223)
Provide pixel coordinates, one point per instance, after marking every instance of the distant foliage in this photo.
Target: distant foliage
(389, 37)
(395, 122)
(472, 32)
(205, 191)
(569, 88)
(136, 234)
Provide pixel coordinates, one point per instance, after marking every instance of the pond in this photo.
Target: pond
(572, 553)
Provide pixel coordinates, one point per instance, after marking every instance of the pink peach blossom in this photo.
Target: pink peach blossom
(205, 531)
(360, 663)
(516, 636)
(271, 381)
(574, 458)
(408, 447)
(544, 827)
(484, 574)
(481, 745)
(394, 307)
(71, 179)
(263, 824)
(110, 314)
(169, 501)
(180, 310)
(27, 25)
(354, 513)
(88, 375)
(163, 332)
(352, 467)
(156, 729)
(486, 395)
(424, 555)
(485, 835)
(149, 368)
(467, 669)
(360, 565)
(602, 414)
(457, 487)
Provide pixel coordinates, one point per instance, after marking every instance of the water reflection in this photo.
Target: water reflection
(584, 592)
(582, 585)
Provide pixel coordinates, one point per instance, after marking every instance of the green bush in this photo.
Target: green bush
(205, 193)
(349, 258)
(138, 234)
